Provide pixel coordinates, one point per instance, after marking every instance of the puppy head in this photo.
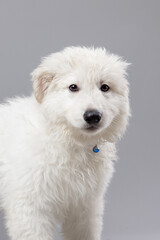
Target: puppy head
(85, 90)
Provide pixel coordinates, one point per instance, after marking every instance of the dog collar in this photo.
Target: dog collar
(96, 149)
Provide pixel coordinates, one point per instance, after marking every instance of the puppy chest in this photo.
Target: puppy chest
(73, 182)
(72, 185)
(74, 177)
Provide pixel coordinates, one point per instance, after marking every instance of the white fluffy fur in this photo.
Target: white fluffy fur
(49, 173)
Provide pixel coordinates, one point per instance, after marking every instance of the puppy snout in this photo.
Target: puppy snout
(92, 116)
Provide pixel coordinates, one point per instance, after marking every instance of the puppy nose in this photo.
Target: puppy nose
(92, 116)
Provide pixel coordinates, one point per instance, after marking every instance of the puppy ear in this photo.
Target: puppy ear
(41, 81)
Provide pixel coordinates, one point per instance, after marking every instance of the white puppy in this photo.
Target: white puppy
(57, 147)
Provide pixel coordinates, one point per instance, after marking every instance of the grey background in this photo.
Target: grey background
(32, 29)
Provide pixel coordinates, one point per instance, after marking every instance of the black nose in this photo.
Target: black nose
(92, 116)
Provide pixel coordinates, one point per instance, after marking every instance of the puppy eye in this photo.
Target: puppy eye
(104, 88)
(73, 88)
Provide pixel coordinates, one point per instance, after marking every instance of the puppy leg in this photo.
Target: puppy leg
(84, 223)
(27, 222)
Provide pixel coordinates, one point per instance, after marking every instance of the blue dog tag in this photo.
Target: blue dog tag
(96, 149)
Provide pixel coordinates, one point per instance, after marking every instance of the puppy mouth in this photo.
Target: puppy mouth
(91, 128)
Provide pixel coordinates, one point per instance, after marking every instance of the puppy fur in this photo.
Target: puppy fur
(49, 173)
